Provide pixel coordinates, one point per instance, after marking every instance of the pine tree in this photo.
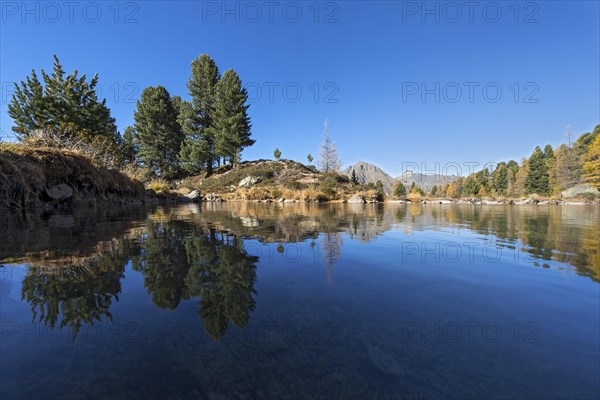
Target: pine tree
(158, 131)
(309, 158)
(500, 178)
(130, 145)
(591, 165)
(548, 152)
(472, 186)
(63, 105)
(353, 177)
(231, 124)
(399, 190)
(277, 154)
(537, 176)
(434, 190)
(198, 149)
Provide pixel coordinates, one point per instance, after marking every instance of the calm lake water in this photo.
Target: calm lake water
(283, 301)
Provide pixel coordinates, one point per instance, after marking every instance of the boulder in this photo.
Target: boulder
(212, 197)
(281, 200)
(249, 181)
(357, 199)
(289, 201)
(60, 192)
(193, 196)
(395, 202)
(492, 202)
(581, 191)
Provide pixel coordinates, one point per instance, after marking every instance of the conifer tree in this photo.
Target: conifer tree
(568, 172)
(64, 105)
(329, 160)
(353, 177)
(500, 178)
(537, 176)
(472, 186)
(277, 154)
(399, 190)
(309, 158)
(198, 149)
(130, 145)
(158, 131)
(591, 165)
(231, 124)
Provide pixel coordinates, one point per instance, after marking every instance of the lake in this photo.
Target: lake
(253, 300)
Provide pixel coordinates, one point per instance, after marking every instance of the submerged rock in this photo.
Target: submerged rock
(384, 362)
(60, 192)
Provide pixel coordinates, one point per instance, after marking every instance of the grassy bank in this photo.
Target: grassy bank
(52, 177)
(274, 180)
(265, 180)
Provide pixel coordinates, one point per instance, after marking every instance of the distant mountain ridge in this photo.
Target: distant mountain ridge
(369, 173)
(425, 181)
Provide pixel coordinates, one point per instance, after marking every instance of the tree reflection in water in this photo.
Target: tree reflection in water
(180, 261)
(75, 269)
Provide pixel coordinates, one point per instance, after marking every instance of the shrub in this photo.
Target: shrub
(294, 185)
(276, 193)
(158, 186)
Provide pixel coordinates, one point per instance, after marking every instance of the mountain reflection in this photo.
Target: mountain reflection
(76, 262)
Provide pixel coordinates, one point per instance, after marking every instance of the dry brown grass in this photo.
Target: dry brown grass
(26, 172)
(159, 186)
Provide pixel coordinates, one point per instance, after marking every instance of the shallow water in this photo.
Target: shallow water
(246, 300)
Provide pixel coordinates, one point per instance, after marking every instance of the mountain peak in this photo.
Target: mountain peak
(369, 173)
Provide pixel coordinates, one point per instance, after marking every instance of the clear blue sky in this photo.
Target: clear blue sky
(367, 59)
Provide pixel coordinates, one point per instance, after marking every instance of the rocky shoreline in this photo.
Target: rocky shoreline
(195, 197)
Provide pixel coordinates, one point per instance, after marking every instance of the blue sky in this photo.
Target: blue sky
(399, 83)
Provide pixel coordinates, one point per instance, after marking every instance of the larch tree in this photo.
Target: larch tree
(567, 168)
(521, 177)
(328, 157)
(591, 165)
